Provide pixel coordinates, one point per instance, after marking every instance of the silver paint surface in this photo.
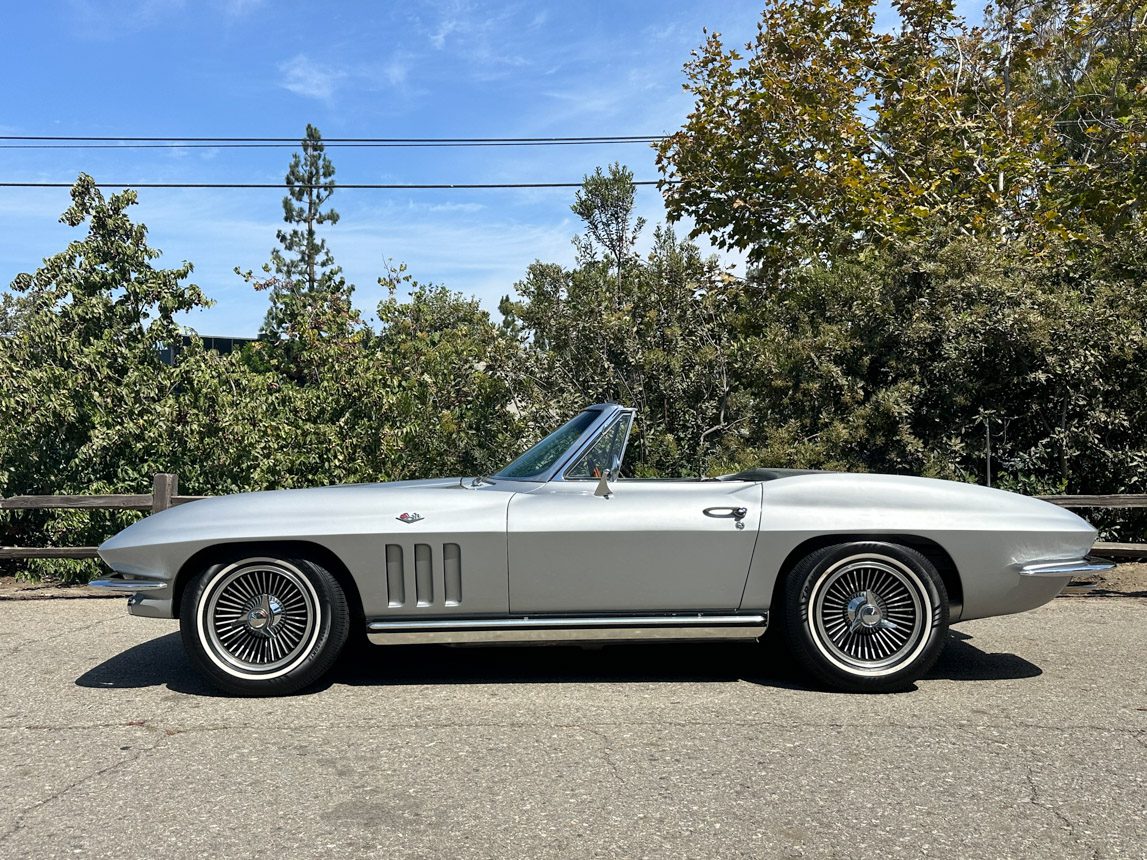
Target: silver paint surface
(553, 547)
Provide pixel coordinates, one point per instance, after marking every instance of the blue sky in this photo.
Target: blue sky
(453, 68)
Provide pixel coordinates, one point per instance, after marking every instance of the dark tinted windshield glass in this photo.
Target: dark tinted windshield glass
(549, 450)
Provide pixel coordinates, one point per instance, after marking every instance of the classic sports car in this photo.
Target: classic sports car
(861, 573)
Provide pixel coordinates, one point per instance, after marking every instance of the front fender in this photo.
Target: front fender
(355, 523)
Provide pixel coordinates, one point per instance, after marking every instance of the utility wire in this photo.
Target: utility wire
(435, 145)
(112, 142)
(136, 142)
(338, 186)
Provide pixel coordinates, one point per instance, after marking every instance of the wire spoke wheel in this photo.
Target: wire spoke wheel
(259, 618)
(869, 615)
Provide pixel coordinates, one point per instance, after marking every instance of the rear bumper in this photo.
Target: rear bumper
(1075, 567)
(1066, 569)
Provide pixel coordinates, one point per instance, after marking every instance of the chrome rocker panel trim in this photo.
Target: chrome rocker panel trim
(663, 628)
(1089, 564)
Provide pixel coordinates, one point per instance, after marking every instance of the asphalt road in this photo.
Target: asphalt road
(1028, 740)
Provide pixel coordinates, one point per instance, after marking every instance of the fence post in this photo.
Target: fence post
(163, 488)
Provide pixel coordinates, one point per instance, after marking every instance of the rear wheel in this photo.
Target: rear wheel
(865, 617)
(264, 626)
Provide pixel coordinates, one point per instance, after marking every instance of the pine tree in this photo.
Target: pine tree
(307, 285)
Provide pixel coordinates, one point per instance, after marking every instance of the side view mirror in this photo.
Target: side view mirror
(603, 489)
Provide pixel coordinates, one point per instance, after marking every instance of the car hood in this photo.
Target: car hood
(309, 512)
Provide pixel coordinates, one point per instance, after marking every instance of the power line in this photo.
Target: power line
(155, 142)
(435, 145)
(482, 186)
(135, 142)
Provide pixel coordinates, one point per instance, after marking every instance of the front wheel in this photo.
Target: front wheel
(866, 616)
(264, 626)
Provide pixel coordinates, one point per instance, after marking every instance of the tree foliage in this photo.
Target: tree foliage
(89, 405)
(310, 300)
(649, 331)
(903, 363)
(946, 228)
(89, 326)
(946, 224)
(826, 135)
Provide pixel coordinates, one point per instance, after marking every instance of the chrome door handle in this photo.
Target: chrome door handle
(737, 514)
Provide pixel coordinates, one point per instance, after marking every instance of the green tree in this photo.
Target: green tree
(444, 375)
(310, 300)
(605, 205)
(652, 332)
(83, 379)
(1089, 79)
(904, 360)
(946, 225)
(304, 261)
(827, 135)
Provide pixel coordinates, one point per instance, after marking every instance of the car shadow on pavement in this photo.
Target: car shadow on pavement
(767, 664)
(157, 662)
(537, 664)
(161, 662)
(962, 661)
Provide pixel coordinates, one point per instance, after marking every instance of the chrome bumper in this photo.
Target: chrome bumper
(147, 596)
(1076, 567)
(118, 582)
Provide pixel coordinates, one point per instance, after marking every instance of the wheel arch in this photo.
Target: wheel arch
(223, 553)
(927, 547)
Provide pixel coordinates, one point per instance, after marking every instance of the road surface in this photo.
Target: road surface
(1029, 739)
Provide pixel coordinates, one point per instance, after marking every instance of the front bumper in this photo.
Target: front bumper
(150, 597)
(122, 582)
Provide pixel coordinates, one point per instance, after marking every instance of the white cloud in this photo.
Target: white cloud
(105, 20)
(323, 81)
(305, 77)
(489, 41)
(454, 16)
(396, 70)
(240, 8)
(455, 207)
(445, 28)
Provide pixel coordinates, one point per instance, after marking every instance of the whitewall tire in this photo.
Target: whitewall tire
(264, 626)
(865, 616)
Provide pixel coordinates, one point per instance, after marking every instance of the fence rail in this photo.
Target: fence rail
(165, 494)
(1119, 500)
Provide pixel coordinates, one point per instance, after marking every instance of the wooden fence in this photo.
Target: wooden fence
(165, 494)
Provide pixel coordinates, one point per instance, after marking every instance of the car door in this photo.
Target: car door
(650, 546)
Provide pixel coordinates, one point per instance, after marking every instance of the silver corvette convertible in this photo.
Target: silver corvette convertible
(861, 574)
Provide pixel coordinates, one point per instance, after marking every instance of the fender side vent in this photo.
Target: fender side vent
(423, 574)
(452, 562)
(395, 582)
(424, 571)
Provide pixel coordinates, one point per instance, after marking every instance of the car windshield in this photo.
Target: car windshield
(547, 452)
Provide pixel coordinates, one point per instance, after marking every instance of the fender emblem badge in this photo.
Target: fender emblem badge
(410, 518)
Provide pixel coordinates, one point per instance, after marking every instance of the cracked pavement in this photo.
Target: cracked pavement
(1028, 739)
